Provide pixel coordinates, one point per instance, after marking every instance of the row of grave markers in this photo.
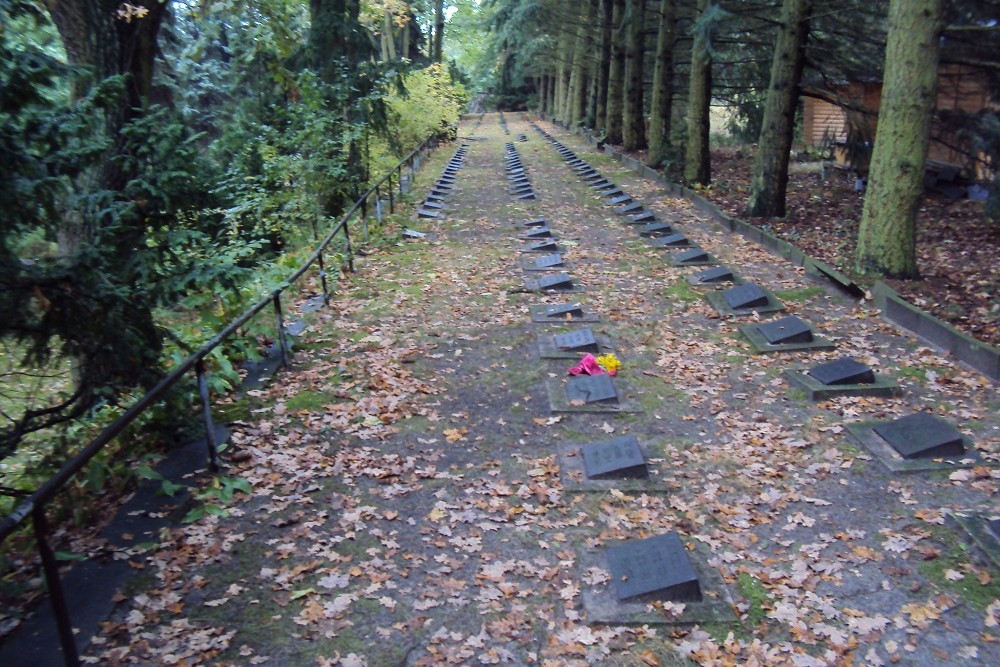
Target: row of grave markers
(917, 436)
(641, 570)
(517, 175)
(434, 202)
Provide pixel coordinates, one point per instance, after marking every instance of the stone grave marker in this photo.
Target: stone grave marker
(538, 233)
(577, 341)
(558, 281)
(645, 216)
(657, 566)
(618, 458)
(789, 329)
(602, 183)
(549, 261)
(922, 435)
(541, 246)
(718, 274)
(528, 195)
(631, 208)
(621, 199)
(427, 214)
(655, 229)
(994, 526)
(524, 224)
(676, 240)
(591, 389)
(564, 309)
(611, 191)
(693, 256)
(842, 371)
(745, 296)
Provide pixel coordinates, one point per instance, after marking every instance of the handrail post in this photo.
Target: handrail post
(392, 206)
(364, 219)
(378, 210)
(71, 656)
(322, 278)
(206, 413)
(347, 247)
(281, 329)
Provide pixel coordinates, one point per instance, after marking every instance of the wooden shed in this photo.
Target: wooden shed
(849, 112)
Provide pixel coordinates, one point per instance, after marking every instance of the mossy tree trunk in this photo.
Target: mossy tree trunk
(603, 66)
(633, 116)
(663, 86)
(697, 161)
(616, 76)
(769, 180)
(887, 236)
(438, 31)
(578, 76)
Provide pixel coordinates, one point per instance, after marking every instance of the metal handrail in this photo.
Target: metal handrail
(34, 504)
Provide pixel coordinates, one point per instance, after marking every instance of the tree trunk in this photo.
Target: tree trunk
(663, 87)
(887, 236)
(577, 78)
(601, 109)
(388, 38)
(438, 30)
(633, 117)
(770, 166)
(697, 161)
(616, 76)
(589, 92)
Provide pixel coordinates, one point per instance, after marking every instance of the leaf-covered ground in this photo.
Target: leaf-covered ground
(956, 244)
(414, 500)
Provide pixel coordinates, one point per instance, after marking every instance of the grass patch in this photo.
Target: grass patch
(309, 401)
(751, 588)
(803, 294)
(957, 557)
(682, 291)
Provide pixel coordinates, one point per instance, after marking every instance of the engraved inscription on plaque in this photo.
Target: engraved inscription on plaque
(657, 567)
(591, 389)
(842, 371)
(549, 261)
(618, 458)
(582, 341)
(745, 296)
(789, 329)
(921, 436)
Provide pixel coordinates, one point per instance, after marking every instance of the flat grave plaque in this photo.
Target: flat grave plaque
(719, 274)
(631, 208)
(676, 240)
(565, 310)
(597, 185)
(789, 329)
(529, 195)
(621, 199)
(593, 176)
(612, 191)
(427, 214)
(559, 281)
(591, 389)
(518, 179)
(842, 371)
(449, 180)
(657, 566)
(432, 205)
(538, 233)
(994, 526)
(581, 341)
(541, 246)
(549, 261)
(435, 198)
(922, 435)
(745, 296)
(438, 192)
(692, 256)
(521, 189)
(645, 216)
(618, 458)
(445, 187)
(655, 229)
(524, 224)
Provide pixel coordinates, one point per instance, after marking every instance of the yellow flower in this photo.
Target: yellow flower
(609, 362)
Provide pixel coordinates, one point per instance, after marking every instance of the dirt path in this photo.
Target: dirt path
(416, 501)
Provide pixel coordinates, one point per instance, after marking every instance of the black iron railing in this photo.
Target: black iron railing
(34, 504)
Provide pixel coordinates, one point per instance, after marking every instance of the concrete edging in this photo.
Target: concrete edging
(980, 356)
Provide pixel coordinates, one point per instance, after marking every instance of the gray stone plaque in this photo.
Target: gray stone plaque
(922, 435)
(842, 371)
(541, 246)
(691, 256)
(645, 216)
(436, 198)
(994, 526)
(745, 296)
(578, 341)
(450, 180)
(444, 187)
(591, 389)
(632, 208)
(677, 240)
(539, 233)
(433, 205)
(618, 458)
(564, 309)
(549, 261)
(524, 224)
(602, 183)
(427, 214)
(621, 199)
(719, 274)
(528, 195)
(655, 229)
(789, 329)
(613, 190)
(558, 281)
(657, 567)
